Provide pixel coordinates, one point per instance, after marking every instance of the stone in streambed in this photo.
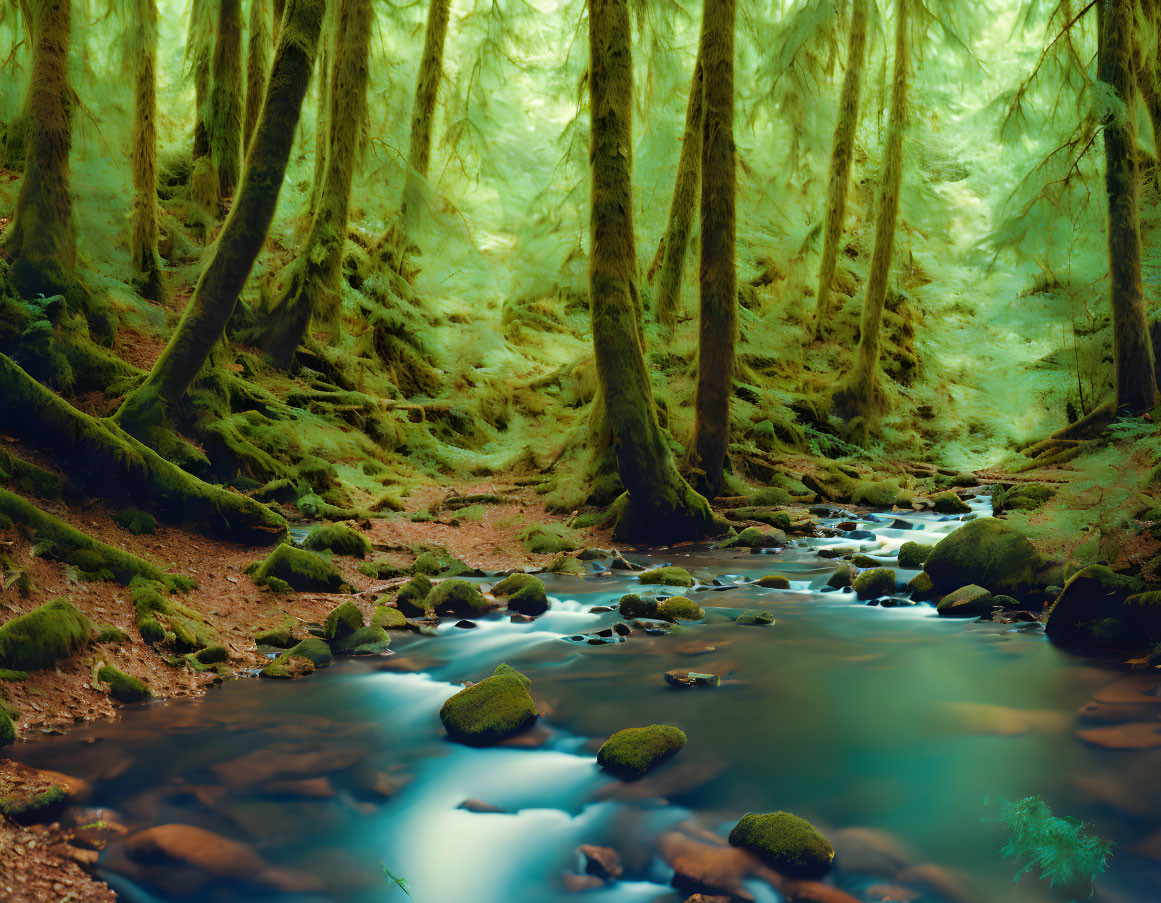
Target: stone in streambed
(411, 598)
(913, 555)
(966, 602)
(950, 503)
(496, 708)
(921, 587)
(632, 752)
(342, 621)
(690, 679)
(667, 576)
(992, 554)
(604, 862)
(460, 598)
(841, 577)
(364, 641)
(302, 659)
(874, 583)
(679, 608)
(752, 618)
(525, 593)
(788, 844)
(773, 581)
(633, 606)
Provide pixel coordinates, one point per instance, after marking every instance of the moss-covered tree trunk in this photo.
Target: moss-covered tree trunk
(15, 145)
(861, 394)
(314, 291)
(322, 122)
(41, 239)
(257, 61)
(423, 109)
(279, 12)
(1132, 352)
(842, 154)
(226, 102)
(244, 231)
(147, 271)
(658, 504)
(200, 52)
(670, 257)
(718, 273)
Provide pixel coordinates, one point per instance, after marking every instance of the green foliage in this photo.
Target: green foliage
(1062, 850)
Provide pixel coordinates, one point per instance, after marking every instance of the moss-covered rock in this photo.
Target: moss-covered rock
(364, 641)
(530, 599)
(753, 538)
(549, 539)
(498, 707)
(770, 497)
(633, 606)
(40, 808)
(411, 598)
(863, 561)
(343, 620)
(302, 570)
(754, 618)
(632, 752)
(949, 502)
(566, 565)
(966, 602)
(339, 539)
(788, 844)
(913, 555)
(278, 637)
(107, 634)
(1090, 613)
(841, 577)
(874, 583)
(124, 687)
(880, 494)
(514, 583)
(458, 597)
(426, 565)
(310, 654)
(38, 639)
(212, 654)
(773, 581)
(1021, 497)
(667, 576)
(10, 676)
(921, 587)
(679, 608)
(389, 618)
(381, 568)
(139, 523)
(989, 553)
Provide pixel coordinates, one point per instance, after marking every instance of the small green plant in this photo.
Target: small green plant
(1062, 849)
(390, 877)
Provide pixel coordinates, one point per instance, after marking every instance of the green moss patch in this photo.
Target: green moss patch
(549, 539)
(389, 618)
(1021, 497)
(307, 656)
(667, 576)
(773, 581)
(788, 844)
(458, 597)
(43, 636)
(139, 523)
(966, 602)
(875, 583)
(679, 608)
(124, 687)
(913, 555)
(301, 570)
(949, 502)
(343, 620)
(339, 539)
(411, 597)
(634, 751)
(496, 708)
(364, 641)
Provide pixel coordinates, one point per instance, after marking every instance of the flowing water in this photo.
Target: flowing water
(854, 716)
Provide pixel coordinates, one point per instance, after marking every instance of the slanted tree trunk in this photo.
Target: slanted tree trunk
(279, 11)
(842, 154)
(315, 290)
(718, 272)
(322, 122)
(244, 231)
(200, 52)
(423, 109)
(257, 61)
(148, 276)
(659, 504)
(226, 98)
(861, 394)
(1132, 352)
(41, 240)
(670, 257)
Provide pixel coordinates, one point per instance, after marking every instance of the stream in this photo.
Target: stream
(897, 732)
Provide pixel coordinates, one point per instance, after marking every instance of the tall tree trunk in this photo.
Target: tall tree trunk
(423, 109)
(322, 120)
(842, 154)
(16, 134)
(147, 272)
(244, 231)
(41, 239)
(861, 394)
(257, 60)
(314, 291)
(200, 52)
(658, 504)
(279, 11)
(1132, 353)
(670, 257)
(226, 98)
(718, 271)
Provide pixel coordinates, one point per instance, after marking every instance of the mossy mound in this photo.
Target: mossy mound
(875, 583)
(770, 497)
(950, 503)
(841, 577)
(411, 598)
(753, 618)
(124, 687)
(633, 606)
(667, 576)
(773, 581)
(921, 587)
(338, 539)
(389, 618)
(310, 654)
(862, 561)
(788, 844)
(38, 639)
(632, 752)
(278, 637)
(496, 708)
(566, 565)
(966, 602)
(1093, 612)
(753, 538)
(212, 654)
(426, 565)
(1021, 497)
(549, 539)
(381, 569)
(139, 523)
(42, 808)
(107, 634)
(343, 620)
(364, 641)
(989, 553)
(880, 494)
(7, 674)
(913, 555)
(514, 583)
(530, 599)
(302, 570)
(679, 608)
(458, 597)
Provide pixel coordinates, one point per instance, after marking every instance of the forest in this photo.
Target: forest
(547, 450)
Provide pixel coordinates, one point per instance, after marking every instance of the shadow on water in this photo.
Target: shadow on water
(891, 729)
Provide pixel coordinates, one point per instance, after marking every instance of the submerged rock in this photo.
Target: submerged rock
(604, 862)
(667, 576)
(788, 844)
(752, 618)
(1101, 609)
(992, 554)
(496, 708)
(632, 752)
(690, 679)
(966, 602)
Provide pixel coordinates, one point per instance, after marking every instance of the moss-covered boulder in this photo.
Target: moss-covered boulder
(426, 565)
(411, 598)
(754, 618)
(514, 583)
(525, 594)
(949, 502)
(496, 708)
(921, 587)
(139, 523)
(303, 658)
(302, 570)
(634, 606)
(753, 538)
(109, 635)
(389, 618)
(841, 577)
(566, 565)
(913, 555)
(212, 654)
(363, 641)
(278, 637)
(1021, 497)
(874, 583)
(40, 808)
(124, 687)
(966, 602)
(632, 752)
(667, 576)
(38, 639)
(381, 568)
(989, 553)
(339, 539)
(460, 598)
(863, 561)
(788, 844)
(679, 608)
(549, 539)
(773, 581)
(343, 620)
(1093, 612)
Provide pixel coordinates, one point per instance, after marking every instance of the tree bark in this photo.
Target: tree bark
(148, 275)
(226, 98)
(200, 50)
(670, 257)
(322, 121)
(658, 504)
(842, 154)
(1132, 353)
(861, 394)
(315, 289)
(257, 61)
(244, 231)
(718, 270)
(423, 109)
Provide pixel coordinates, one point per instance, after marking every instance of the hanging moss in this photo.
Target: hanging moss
(45, 635)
